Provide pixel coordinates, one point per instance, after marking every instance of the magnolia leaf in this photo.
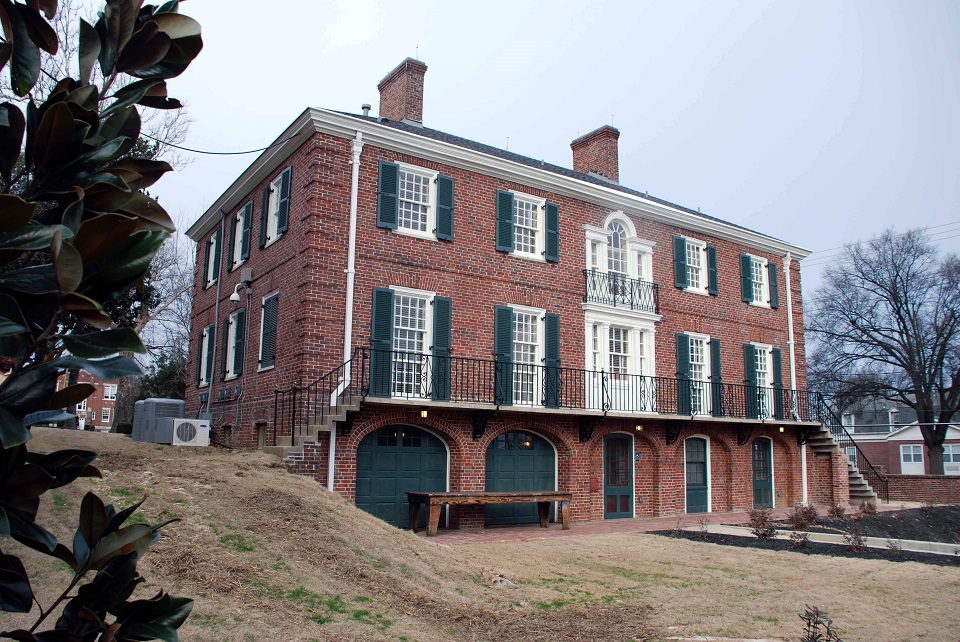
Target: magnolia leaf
(11, 140)
(16, 212)
(54, 134)
(91, 528)
(104, 344)
(5, 50)
(73, 214)
(124, 122)
(25, 59)
(147, 47)
(32, 237)
(29, 390)
(71, 395)
(108, 369)
(67, 263)
(65, 465)
(12, 431)
(48, 7)
(130, 95)
(185, 44)
(8, 327)
(128, 260)
(89, 50)
(130, 539)
(107, 195)
(152, 216)
(47, 417)
(16, 596)
(34, 280)
(93, 159)
(150, 170)
(87, 97)
(41, 33)
(100, 235)
(4, 523)
(86, 309)
(31, 534)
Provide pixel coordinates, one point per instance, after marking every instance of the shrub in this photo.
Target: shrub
(818, 626)
(702, 528)
(802, 517)
(837, 511)
(866, 508)
(894, 548)
(123, 428)
(799, 540)
(855, 540)
(762, 524)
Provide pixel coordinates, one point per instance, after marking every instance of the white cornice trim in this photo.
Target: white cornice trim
(342, 126)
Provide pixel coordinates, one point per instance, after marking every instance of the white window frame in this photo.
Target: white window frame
(702, 273)
(232, 345)
(954, 452)
(237, 224)
(851, 452)
(700, 394)
(263, 301)
(209, 268)
(273, 211)
(639, 252)
(915, 451)
(428, 297)
(431, 224)
(758, 267)
(766, 411)
(105, 416)
(109, 392)
(535, 368)
(848, 420)
(597, 358)
(82, 406)
(540, 206)
(204, 351)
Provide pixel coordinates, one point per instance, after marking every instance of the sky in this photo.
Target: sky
(820, 123)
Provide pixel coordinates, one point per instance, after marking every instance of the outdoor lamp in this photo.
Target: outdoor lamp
(638, 427)
(423, 413)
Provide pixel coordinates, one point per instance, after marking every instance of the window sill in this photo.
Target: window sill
(231, 377)
(760, 304)
(236, 265)
(204, 384)
(266, 368)
(529, 257)
(209, 284)
(702, 292)
(271, 241)
(426, 236)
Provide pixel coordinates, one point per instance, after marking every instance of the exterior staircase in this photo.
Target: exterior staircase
(319, 424)
(823, 440)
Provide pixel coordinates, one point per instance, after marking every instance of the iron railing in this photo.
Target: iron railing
(412, 376)
(618, 290)
(826, 416)
(299, 407)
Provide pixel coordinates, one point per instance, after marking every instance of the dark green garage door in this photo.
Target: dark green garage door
(518, 461)
(392, 461)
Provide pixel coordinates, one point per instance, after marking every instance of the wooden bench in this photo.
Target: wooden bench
(434, 501)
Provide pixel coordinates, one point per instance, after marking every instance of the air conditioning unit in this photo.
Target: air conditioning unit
(153, 411)
(191, 432)
(951, 469)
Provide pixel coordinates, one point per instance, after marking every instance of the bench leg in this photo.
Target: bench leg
(544, 509)
(433, 519)
(565, 514)
(414, 516)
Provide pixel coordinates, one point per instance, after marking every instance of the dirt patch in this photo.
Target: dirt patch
(929, 524)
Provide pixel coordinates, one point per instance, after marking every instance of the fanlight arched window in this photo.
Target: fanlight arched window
(617, 248)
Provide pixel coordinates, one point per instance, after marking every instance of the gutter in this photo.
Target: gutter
(348, 306)
(216, 323)
(787, 261)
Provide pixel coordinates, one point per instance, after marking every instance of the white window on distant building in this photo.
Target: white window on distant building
(82, 406)
(852, 454)
(110, 392)
(106, 416)
(847, 420)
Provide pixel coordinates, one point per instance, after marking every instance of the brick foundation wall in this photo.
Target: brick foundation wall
(931, 489)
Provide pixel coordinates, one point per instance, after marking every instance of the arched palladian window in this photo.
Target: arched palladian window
(617, 248)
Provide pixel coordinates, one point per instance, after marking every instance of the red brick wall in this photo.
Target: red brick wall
(95, 402)
(828, 478)
(932, 489)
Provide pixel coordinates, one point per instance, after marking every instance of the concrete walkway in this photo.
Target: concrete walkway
(530, 532)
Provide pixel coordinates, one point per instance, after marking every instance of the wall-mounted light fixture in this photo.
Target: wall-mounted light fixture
(638, 427)
(423, 413)
(781, 429)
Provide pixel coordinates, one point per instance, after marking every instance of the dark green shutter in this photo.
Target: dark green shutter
(233, 238)
(552, 361)
(387, 201)
(238, 345)
(223, 345)
(206, 262)
(245, 231)
(746, 279)
(684, 405)
(712, 279)
(680, 261)
(268, 334)
(774, 288)
(504, 221)
(444, 208)
(778, 401)
(751, 390)
(211, 341)
(503, 354)
(381, 343)
(442, 312)
(199, 356)
(552, 252)
(217, 242)
(716, 378)
(283, 205)
(264, 215)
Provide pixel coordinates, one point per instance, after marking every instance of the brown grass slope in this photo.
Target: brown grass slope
(272, 556)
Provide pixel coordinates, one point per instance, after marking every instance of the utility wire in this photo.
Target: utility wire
(200, 151)
(936, 237)
(840, 247)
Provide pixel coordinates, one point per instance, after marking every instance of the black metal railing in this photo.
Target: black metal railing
(298, 407)
(825, 415)
(411, 376)
(618, 290)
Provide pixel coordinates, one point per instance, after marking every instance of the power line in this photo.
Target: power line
(935, 237)
(200, 151)
(840, 247)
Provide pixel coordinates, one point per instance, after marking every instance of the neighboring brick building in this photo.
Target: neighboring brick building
(97, 410)
(514, 324)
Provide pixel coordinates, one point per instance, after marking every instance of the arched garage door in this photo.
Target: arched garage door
(393, 460)
(518, 461)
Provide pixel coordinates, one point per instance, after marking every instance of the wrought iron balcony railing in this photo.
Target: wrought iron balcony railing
(619, 291)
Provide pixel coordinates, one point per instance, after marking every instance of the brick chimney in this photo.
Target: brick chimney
(401, 92)
(597, 153)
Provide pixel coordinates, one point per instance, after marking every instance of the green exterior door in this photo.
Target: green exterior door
(518, 461)
(392, 461)
(697, 480)
(617, 476)
(762, 473)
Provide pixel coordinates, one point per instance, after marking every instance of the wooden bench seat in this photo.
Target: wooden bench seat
(435, 500)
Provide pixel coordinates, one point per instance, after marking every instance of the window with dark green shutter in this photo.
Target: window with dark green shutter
(774, 289)
(716, 379)
(245, 231)
(713, 281)
(283, 203)
(444, 208)
(684, 390)
(387, 201)
(746, 278)
(440, 375)
(207, 267)
(381, 343)
(504, 221)
(224, 344)
(268, 330)
(264, 215)
(680, 261)
(751, 389)
(275, 207)
(552, 252)
(239, 332)
(551, 361)
(503, 354)
(779, 402)
(234, 224)
(210, 343)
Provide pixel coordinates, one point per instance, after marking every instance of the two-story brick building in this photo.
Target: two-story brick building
(440, 314)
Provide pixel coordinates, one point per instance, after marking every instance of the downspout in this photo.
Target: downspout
(216, 323)
(348, 311)
(793, 375)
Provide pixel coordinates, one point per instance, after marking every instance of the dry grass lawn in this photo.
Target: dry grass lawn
(270, 556)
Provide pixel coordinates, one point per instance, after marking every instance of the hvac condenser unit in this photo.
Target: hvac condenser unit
(191, 432)
(153, 411)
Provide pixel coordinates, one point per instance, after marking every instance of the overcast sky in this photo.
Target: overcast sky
(819, 123)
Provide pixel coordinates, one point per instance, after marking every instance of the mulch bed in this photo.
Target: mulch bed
(933, 524)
